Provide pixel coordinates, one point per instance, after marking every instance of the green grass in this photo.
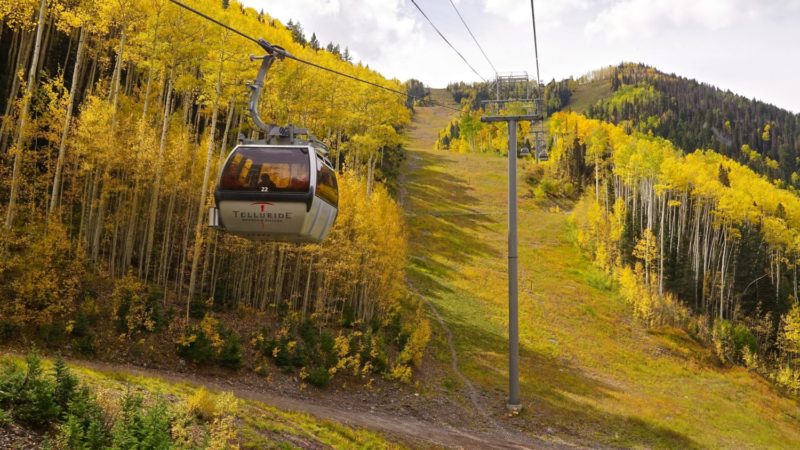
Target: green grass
(260, 426)
(589, 371)
(586, 95)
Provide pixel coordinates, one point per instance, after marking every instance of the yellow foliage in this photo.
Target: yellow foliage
(44, 276)
(414, 350)
(202, 404)
(223, 430)
(788, 378)
(790, 335)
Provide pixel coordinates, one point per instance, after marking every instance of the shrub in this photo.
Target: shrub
(743, 341)
(39, 401)
(65, 386)
(230, 354)
(141, 427)
(196, 347)
(135, 311)
(202, 404)
(414, 350)
(211, 342)
(5, 418)
(722, 337)
(41, 278)
(223, 428)
(30, 396)
(84, 427)
(286, 352)
(318, 376)
(788, 378)
(84, 345)
(734, 343)
(8, 331)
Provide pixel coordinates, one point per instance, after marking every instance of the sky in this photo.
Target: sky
(751, 47)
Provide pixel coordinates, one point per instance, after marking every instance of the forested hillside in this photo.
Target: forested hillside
(696, 115)
(117, 115)
(697, 241)
(700, 239)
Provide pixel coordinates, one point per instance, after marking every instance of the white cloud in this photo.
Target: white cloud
(367, 27)
(636, 18)
(549, 13)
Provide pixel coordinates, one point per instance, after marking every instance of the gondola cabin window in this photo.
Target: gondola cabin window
(267, 169)
(327, 189)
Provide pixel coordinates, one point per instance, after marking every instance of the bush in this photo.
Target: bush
(84, 345)
(196, 347)
(230, 354)
(84, 427)
(8, 331)
(318, 376)
(743, 341)
(52, 334)
(65, 387)
(722, 337)
(134, 309)
(141, 427)
(39, 401)
(286, 352)
(733, 342)
(30, 395)
(413, 350)
(788, 378)
(202, 404)
(211, 342)
(5, 418)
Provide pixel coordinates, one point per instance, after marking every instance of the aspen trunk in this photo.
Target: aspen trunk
(73, 89)
(21, 53)
(23, 116)
(45, 44)
(198, 241)
(115, 79)
(152, 216)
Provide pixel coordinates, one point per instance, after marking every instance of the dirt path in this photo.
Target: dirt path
(404, 428)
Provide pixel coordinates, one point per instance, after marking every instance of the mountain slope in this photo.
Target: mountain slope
(590, 374)
(695, 115)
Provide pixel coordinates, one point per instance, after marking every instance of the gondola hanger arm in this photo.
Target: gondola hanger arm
(274, 53)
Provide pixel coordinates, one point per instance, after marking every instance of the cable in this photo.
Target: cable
(448, 42)
(309, 63)
(190, 9)
(473, 36)
(535, 45)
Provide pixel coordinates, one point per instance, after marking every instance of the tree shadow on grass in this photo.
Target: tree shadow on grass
(446, 231)
(557, 395)
(444, 222)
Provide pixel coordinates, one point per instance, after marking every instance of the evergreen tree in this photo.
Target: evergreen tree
(314, 42)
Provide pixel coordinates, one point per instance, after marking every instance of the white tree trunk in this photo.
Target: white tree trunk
(23, 117)
(73, 89)
(201, 208)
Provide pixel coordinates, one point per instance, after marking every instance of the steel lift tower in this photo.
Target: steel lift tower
(516, 100)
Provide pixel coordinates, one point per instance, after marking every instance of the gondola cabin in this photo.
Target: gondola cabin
(283, 193)
(543, 155)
